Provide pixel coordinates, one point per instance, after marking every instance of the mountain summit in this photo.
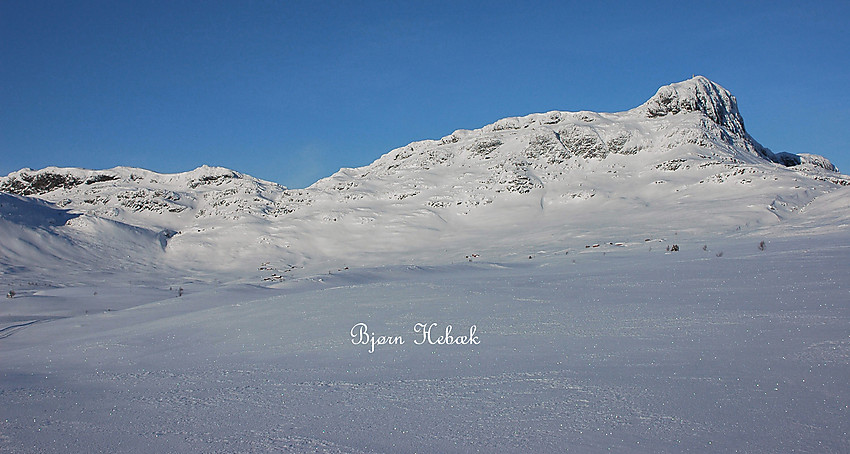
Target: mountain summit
(714, 102)
(697, 95)
(681, 161)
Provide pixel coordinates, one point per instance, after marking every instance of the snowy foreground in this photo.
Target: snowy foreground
(622, 348)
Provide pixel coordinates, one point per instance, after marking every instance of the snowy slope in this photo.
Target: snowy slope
(37, 236)
(637, 351)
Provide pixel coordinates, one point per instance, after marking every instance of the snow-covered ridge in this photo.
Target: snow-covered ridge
(515, 154)
(36, 182)
(686, 148)
(127, 192)
(523, 154)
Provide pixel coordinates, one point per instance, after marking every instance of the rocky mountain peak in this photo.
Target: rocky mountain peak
(697, 94)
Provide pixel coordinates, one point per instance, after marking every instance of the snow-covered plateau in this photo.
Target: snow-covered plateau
(652, 280)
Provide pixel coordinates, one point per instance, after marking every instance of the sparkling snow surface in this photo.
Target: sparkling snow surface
(612, 347)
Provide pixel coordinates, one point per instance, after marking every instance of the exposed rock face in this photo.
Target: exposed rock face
(698, 95)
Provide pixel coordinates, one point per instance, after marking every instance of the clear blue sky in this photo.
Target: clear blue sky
(290, 91)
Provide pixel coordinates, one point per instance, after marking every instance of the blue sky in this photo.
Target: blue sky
(292, 91)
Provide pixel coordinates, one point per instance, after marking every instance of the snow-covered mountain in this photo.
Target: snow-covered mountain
(681, 163)
(210, 311)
